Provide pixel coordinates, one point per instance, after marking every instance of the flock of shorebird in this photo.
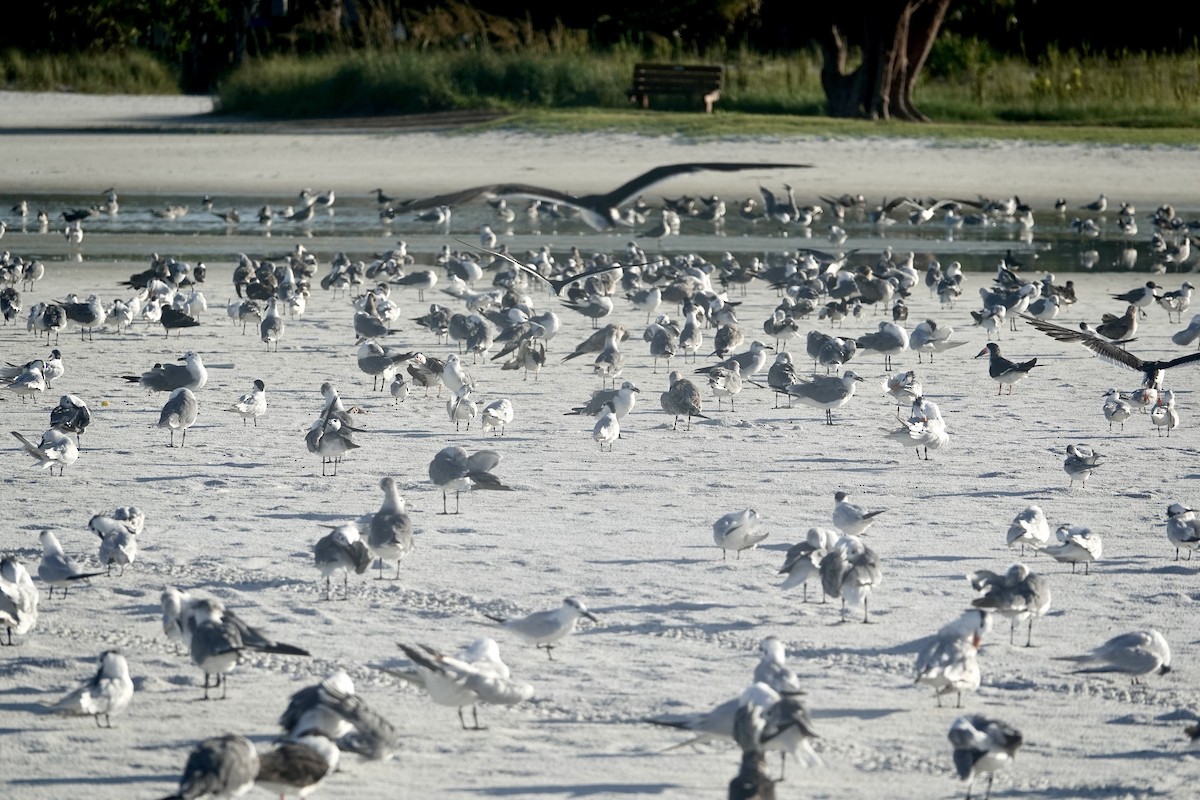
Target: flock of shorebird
(769, 715)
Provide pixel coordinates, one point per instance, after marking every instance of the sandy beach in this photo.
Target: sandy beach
(236, 512)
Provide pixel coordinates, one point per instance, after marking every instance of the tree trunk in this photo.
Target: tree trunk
(895, 40)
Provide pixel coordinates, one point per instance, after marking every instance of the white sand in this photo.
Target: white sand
(235, 513)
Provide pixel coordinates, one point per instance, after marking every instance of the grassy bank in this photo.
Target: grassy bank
(128, 72)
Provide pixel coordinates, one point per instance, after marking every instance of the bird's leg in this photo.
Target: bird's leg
(224, 681)
(461, 721)
(866, 612)
(457, 499)
(345, 584)
(326, 587)
(183, 438)
(1011, 630)
(444, 511)
(381, 570)
(475, 717)
(1029, 637)
(97, 718)
(991, 777)
(397, 577)
(959, 703)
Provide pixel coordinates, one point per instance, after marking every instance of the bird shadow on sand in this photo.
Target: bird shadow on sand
(91, 780)
(575, 790)
(1086, 791)
(630, 562)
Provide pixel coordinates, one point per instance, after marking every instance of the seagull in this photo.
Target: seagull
(929, 337)
(556, 284)
(600, 211)
(107, 693)
(179, 413)
(174, 319)
(752, 781)
(622, 401)
(889, 340)
(1163, 414)
(923, 428)
(826, 392)
(57, 568)
(118, 536)
(218, 637)
(1116, 408)
(803, 560)
(453, 469)
(461, 407)
(298, 765)
(850, 571)
(476, 676)
(1079, 545)
(71, 415)
(1002, 370)
(332, 709)
(991, 319)
(389, 535)
(1183, 529)
(55, 447)
(1029, 528)
(543, 628)
(682, 399)
(271, 327)
(851, 519)
(1017, 594)
(18, 599)
(607, 428)
(253, 404)
(738, 531)
(221, 766)
(948, 661)
(1080, 462)
(341, 549)
(982, 745)
(30, 381)
(329, 438)
(772, 668)
(169, 377)
(1134, 654)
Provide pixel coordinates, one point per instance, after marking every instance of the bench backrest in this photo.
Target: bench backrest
(678, 77)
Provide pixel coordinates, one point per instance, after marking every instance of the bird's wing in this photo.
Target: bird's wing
(635, 186)
(1104, 350)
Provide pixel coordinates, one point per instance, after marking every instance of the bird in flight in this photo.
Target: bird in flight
(599, 210)
(1111, 353)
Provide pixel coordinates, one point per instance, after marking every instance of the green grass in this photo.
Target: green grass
(129, 72)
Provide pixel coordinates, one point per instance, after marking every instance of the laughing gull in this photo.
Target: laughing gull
(803, 560)
(607, 429)
(179, 413)
(88, 315)
(543, 628)
(1163, 414)
(826, 392)
(253, 404)
(107, 693)
(496, 414)
(1017, 594)
(1134, 654)
(1183, 529)
(453, 469)
(389, 535)
(1078, 546)
(948, 662)
(682, 399)
(18, 599)
(332, 709)
(1002, 370)
(342, 549)
(595, 343)
(169, 377)
(1080, 462)
(781, 375)
(852, 519)
(30, 381)
(851, 571)
(476, 676)
(218, 637)
(752, 781)
(557, 285)
(222, 766)
(299, 765)
(1029, 527)
(328, 438)
(772, 668)
(724, 383)
(462, 407)
(55, 447)
(924, 428)
(118, 536)
(982, 745)
(747, 364)
(71, 415)
(1177, 301)
(1141, 297)
(57, 568)
(991, 319)
(270, 329)
(903, 387)
(600, 211)
(377, 361)
(889, 340)
(1116, 408)
(930, 337)
(738, 531)
(622, 401)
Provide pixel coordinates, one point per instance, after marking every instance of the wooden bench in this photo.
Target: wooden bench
(695, 80)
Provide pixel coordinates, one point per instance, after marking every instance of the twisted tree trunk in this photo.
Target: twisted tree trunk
(895, 37)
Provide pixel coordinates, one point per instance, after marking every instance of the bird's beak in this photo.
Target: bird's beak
(1164, 669)
(858, 378)
(982, 352)
(592, 617)
(639, 391)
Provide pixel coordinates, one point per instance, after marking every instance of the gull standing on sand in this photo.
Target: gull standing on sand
(118, 536)
(923, 428)
(948, 662)
(57, 568)
(929, 337)
(622, 401)
(179, 413)
(826, 392)
(803, 560)
(1116, 408)
(982, 745)
(772, 668)
(851, 519)
(71, 415)
(497, 414)
(18, 599)
(1183, 529)
(218, 637)
(476, 676)
(30, 380)
(222, 766)
(738, 531)
(543, 628)
(329, 439)
(342, 549)
(1029, 527)
(453, 469)
(461, 407)
(298, 765)
(108, 692)
(1017, 594)
(332, 709)
(169, 377)
(390, 536)
(851, 571)
(890, 340)
(607, 428)
(1134, 654)
(1080, 462)
(271, 327)
(1163, 414)
(1078, 546)
(682, 399)
(253, 404)
(55, 447)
